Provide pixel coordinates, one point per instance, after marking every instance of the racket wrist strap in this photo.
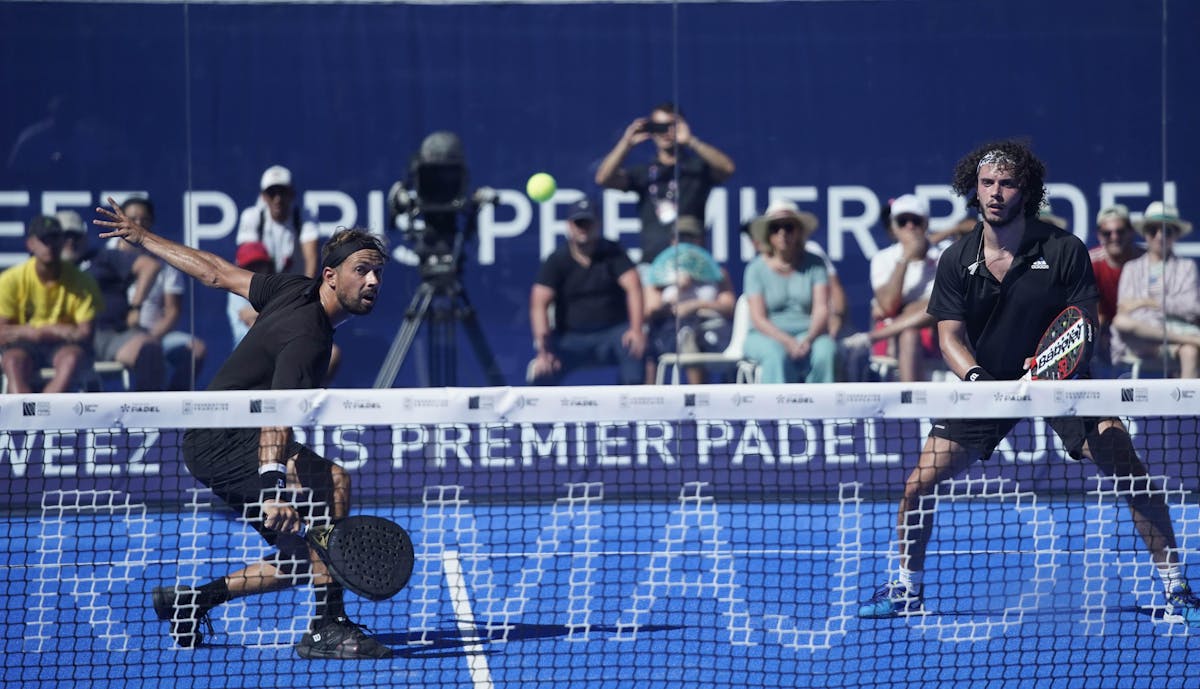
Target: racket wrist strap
(273, 476)
(977, 373)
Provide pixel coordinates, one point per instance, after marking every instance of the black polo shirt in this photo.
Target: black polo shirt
(1005, 320)
(587, 298)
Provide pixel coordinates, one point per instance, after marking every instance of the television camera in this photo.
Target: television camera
(438, 217)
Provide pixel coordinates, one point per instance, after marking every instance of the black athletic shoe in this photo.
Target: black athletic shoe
(343, 640)
(177, 605)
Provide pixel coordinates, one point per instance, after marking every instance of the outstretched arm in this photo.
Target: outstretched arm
(208, 268)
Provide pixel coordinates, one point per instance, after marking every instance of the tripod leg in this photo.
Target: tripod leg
(413, 316)
(479, 343)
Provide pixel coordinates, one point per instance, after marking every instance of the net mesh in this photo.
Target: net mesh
(611, 537)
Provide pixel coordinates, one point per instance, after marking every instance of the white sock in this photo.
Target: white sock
(909, 579)
(1172, 577)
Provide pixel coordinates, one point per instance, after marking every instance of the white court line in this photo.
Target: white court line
(481, 674)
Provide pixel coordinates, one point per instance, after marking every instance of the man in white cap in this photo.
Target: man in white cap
(902, 280)
(1115, 232)
(1158, 298)
(289, 233)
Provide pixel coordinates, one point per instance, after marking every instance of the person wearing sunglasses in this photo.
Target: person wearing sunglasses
(1158, 297)
(788, 291)
(902, 280)
(288, 231)
(1116, 248)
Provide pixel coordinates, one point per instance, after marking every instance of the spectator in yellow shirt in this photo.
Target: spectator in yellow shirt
(47, 307)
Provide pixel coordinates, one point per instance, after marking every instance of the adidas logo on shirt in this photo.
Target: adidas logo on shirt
(1040, 264)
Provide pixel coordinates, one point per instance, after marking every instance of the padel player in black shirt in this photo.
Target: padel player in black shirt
(263, 473)
(996, 291)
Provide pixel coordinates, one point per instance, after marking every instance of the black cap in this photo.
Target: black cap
(583, 209)
(42, 225)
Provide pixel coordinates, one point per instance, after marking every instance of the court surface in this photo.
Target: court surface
(585, 593)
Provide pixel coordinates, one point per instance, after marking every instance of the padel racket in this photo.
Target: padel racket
(371, 556)
(1065, 347)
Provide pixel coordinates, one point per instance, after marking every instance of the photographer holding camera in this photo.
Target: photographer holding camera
(664, 192)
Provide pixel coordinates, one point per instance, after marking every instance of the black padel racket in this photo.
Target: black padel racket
(371, 556)
(1065, 347)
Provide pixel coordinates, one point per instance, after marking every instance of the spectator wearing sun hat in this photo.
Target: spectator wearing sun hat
(1158, 297)
(788, 292)
(276, 221)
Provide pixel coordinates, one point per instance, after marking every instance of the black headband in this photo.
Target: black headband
(343, 251)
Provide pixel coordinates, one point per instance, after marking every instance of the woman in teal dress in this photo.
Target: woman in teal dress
(788, 292)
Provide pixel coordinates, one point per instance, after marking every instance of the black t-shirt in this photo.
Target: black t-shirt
(587, 298)
(655, 184)
(112, 269)
(288, 346)
(1004, 321)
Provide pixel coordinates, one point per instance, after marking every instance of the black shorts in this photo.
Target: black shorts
(981, 436)
(226, 460)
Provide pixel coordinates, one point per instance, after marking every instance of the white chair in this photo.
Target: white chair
(747, 371)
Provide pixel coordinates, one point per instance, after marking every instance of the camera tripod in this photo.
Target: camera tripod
(441, 300)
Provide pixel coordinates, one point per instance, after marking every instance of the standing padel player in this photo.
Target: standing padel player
(996, 291)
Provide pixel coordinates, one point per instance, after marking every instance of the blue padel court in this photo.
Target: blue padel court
(1020, 592)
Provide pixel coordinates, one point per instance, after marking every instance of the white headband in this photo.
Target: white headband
(997, 158)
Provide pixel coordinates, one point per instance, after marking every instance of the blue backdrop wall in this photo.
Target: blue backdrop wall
(838, 105)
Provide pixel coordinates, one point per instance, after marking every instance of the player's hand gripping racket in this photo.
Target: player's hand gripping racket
(1065, 347)
(370, 556)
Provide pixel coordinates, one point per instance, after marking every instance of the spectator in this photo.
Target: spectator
(597, 299)
(689, 301)
(47, 312)
(124, 280)
(183, 352)
(902, 280)
(788, 292)
(676, 183)
(1158, 297)
(1115, 232)
(276, 221)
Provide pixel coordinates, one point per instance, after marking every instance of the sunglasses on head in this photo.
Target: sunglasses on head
(786, 226)
(905, 219)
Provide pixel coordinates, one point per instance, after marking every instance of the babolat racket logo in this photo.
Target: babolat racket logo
(1073, 338)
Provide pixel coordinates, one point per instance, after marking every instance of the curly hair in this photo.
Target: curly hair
(1012, 155)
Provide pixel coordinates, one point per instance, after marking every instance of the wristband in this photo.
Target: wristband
(273, 475)
(977, 373)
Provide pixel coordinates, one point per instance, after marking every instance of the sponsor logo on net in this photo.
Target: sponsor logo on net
(843, 398)
(1180, 394)
(740, 399)
(1135, 394)
(913, 397)
(140, 409)
(262, 406)
(794, 398)
(1011, 397)
(692, 399)
(641, 401)
(82, 408)
(481, 402)
(192, 407)
(361, 404)
(35, 409)
(1075, 395)
(579, 402)
(957, 397)
(426, 402)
